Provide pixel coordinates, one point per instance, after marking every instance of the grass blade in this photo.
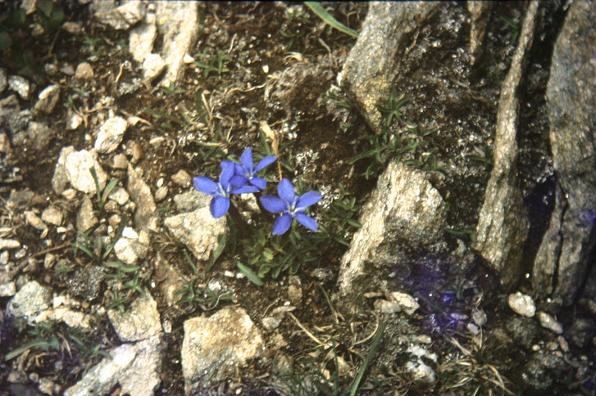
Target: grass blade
(250, 274)
(318, 9)
(372, 352)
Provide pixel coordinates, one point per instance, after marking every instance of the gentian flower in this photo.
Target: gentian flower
(291, 206)
(221, 191)
(246, 173)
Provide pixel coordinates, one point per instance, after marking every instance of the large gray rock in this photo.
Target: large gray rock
(139, 322)
(405, 207)
(178, 22)
(563, 257)
(198, 230)
(375, 60)
(122, 17)
(31, 300)
(135, 367)
(503, 224)
(140, 193)
(215, 347)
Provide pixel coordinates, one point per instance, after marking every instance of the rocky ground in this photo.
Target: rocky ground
(116, 279)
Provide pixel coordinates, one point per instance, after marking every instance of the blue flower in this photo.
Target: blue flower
(246, 173)
(222, 190)
(291, 207)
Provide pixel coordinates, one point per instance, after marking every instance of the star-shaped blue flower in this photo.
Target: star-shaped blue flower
(222, 190)
(291, 206)
(246, 173)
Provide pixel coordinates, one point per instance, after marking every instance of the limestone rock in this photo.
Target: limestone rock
(30, 301)
(78, 165)
(128, 248)
(52, 215)
(570, 240)
(122, 17)
(374, 61)
(135, 367)
(215, 347)
(140, 193)
(198, 230)
(521, 304)
(404, 207)
(503, 225)
(141, 38)
(84, 71)
(20, 85)
(397, 302)
(110, 134)
(60, 178)
(153, 66)
(178, 21)
(47, 99)
(191, 200)
(139, 322)
(86, 218)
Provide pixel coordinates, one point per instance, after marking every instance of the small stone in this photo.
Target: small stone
(271, 323)
(182, 178)
(69, 194)
(84, 71)
(550, 323)
(135, 150)
(215, 347)
(19, 85)
(60, 178)
(47, 99)
(139, 322)
(128, 248)
(72, 27)
(191, 200)
(49, 260)
(397, 302)
(3, 80)
(521, 304)
(68, 69)
(134, 367)
(46, 386)
(198, 230)
(8, 289)
(74, 121)
(78, 166)
(9, 244)
(120, 196)
(161, 193)
(140, 193)
(110, 135)
(114, 221)
(34, 221)
(295, 290)
(153, 66)
(123, 16)
(119, 161)
(86, 218)
(563, 344)
(30, 301)
(52, 215)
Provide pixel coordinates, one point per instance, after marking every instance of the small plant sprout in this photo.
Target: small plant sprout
(222, 190)
(246, 173)
(291, 207)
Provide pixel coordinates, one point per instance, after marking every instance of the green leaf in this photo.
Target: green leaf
(318, 9)
(221, 244)
(46, 7)
(372, 352)
(107, 191)
(249, 273)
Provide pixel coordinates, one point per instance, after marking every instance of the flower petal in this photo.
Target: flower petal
(306, 221)
(265, 162)
(285, 190)
(227, 171)
(272, 204)
(219, 206)
(307, 199)
(245, 190)
(205, 185)
(246, 159)
(259, 182)
(239, 170)
(238, 180)
(282, 224)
